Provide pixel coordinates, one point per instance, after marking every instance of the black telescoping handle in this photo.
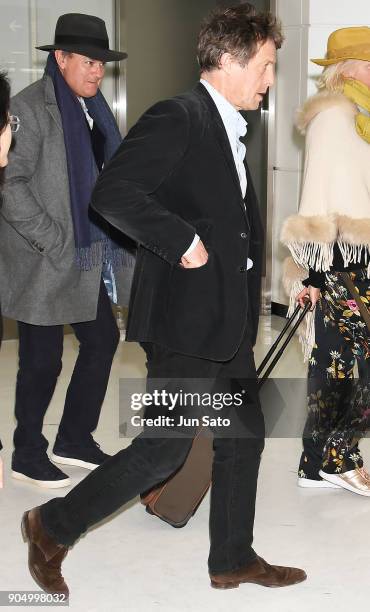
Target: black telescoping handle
(261, 379)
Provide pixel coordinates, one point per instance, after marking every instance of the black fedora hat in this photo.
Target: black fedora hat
(83, 34)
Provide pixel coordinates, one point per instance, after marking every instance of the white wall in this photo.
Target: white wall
(27, 23)
(307, 25)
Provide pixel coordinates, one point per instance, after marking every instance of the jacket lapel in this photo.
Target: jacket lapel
(51, 102)
(221, 136)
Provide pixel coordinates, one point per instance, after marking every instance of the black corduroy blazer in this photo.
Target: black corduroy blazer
(173, 176)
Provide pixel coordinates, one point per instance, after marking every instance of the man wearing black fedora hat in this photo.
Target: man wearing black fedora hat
(85, 35)
(58, 260)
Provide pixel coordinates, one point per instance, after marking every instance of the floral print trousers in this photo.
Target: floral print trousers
(338, 403)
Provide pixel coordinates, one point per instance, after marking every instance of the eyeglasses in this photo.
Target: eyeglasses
(14, 122)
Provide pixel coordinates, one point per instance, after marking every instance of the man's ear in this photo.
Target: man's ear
(60, 58)
(226, 62)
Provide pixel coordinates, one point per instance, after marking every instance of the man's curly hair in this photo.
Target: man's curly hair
(238, 30)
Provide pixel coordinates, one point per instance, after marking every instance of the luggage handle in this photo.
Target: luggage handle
(261, 379)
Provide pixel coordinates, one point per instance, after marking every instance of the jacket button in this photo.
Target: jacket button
(243, 235)
(242, 269)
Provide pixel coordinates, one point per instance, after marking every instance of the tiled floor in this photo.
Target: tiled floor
(134, 562)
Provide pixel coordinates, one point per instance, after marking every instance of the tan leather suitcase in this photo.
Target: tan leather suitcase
(176, 500)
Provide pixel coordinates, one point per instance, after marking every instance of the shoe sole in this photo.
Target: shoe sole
(45, 484)
(341, 483)
(308, 483)
(26, 538)
(235, 585)
(75, 462)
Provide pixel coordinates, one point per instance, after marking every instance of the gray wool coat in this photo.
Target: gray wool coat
(40, 281)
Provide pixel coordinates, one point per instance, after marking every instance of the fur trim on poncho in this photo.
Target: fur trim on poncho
(320, 102)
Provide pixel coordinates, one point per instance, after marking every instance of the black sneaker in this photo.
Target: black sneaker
(42, 473)
(89, 457)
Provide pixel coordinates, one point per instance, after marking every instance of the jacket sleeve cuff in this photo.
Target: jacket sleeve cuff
(315, 279)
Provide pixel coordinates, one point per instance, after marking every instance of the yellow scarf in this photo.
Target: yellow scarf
(359, 93)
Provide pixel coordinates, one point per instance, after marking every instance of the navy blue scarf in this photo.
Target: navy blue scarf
(93, 242)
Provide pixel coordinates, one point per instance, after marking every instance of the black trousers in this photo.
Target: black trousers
(40, 363)
(150, 460)
(337, 403)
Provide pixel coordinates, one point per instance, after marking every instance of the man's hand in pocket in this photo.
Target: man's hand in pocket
(196, 258)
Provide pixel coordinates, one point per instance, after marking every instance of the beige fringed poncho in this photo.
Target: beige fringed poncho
(335, 200)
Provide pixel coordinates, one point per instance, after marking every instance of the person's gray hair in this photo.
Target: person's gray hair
(332, 77)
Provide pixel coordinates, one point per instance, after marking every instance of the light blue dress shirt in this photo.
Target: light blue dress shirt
(235, 126)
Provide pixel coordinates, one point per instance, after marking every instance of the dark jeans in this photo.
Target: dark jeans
(150, 460)
(40, 363)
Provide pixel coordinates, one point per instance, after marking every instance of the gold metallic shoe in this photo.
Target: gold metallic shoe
(364, 473)
(356, 481)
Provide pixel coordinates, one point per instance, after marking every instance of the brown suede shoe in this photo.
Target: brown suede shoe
(45, 556)
(259, 572)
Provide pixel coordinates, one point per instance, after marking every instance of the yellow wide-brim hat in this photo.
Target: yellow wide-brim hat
(347, 43)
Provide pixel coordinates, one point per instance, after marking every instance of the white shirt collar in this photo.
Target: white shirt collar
(226, 109)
